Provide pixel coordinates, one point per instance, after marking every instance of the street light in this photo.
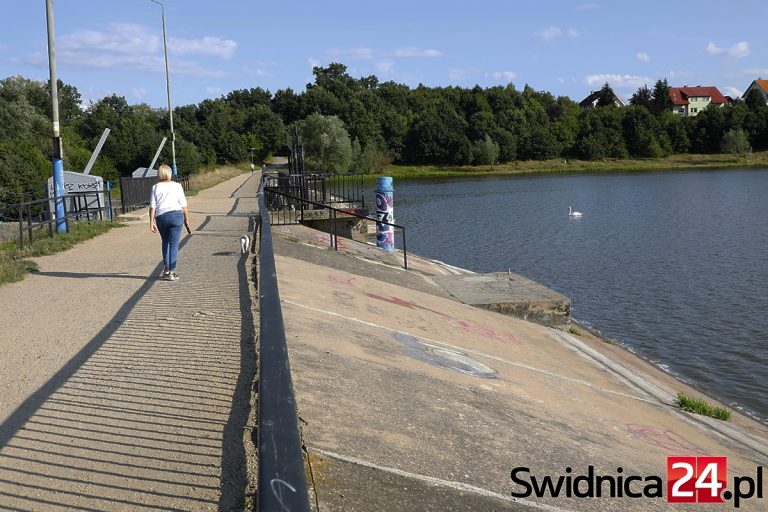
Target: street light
(252, 166)
(168, 89)
(58, 153)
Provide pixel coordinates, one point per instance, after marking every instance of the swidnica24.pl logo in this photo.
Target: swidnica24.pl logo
(689, 480)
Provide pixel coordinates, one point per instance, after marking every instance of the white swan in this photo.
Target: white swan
(572, 213)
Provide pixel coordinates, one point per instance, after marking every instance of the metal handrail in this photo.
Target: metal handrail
(293, 200)
(75, 199)
(282, 483)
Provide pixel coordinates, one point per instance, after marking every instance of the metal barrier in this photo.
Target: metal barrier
(282, 483)
(77, 207)
(330, 189)
(298, 207)
(134, 192)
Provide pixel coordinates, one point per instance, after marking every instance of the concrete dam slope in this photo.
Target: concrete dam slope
(412, 400)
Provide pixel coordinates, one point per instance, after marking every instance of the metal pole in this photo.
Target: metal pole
(58, 152)
(168, 90)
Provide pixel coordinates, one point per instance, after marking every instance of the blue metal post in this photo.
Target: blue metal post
(175, 174)
(109, 199)
(385, 234)
(58, 187)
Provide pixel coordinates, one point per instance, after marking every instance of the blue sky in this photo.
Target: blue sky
(565, 47)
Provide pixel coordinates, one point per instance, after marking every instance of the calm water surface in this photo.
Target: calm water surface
(671, 265)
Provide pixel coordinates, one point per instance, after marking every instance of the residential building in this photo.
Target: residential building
(759, 84)
(689, 101)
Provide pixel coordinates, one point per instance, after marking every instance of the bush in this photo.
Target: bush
(736, 142)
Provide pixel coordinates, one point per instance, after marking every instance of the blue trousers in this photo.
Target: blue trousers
(169, 225)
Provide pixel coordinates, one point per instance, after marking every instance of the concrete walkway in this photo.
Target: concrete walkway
(124, 392)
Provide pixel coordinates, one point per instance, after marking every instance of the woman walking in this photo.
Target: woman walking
(167, 214)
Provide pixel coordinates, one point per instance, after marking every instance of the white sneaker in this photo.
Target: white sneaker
(164, 274)
(172, 276)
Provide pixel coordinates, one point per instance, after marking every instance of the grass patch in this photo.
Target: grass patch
(560, 166)
(14, 264)
(574, 331)
(208, 178)
(700, 406)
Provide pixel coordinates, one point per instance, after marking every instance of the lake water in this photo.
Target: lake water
(671, 265)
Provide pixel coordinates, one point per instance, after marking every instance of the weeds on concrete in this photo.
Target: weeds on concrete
(574, 331)
(700, 406)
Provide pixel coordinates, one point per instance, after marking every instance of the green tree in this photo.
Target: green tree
(642, 98)
(485, 152)
(326, 144)
(640, 133)
(661, 102)
(606, 97)
(735, 142)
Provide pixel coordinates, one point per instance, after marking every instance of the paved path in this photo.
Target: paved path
(124, 392)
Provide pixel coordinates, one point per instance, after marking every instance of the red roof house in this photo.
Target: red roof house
(689, 101)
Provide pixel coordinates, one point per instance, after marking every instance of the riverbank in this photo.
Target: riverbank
(560, 166)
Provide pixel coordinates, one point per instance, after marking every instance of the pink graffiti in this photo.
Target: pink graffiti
(468, 326)
(325, 238)
(664, 438)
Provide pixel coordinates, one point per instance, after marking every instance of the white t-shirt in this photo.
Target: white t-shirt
(167, 196)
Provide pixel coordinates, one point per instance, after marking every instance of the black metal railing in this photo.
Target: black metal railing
(34, 216)
(330, 189)
(282, 483)
(134, 192)
(299, 209)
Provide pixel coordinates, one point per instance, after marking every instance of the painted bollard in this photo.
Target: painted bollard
(385, 234)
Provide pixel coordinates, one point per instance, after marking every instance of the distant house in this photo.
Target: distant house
(759, 84)
(689, 101)
(591, 100)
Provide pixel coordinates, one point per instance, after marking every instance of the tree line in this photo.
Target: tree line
(352, 124)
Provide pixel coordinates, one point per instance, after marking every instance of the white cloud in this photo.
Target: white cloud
(549, 34)
(615, 80)
(132, 47)
(417, 52)
(755, 72)
(552, 33)
(732, 92)
(354, 54)
(214, 90)
(139, 93)
(458, 74)
(209, 46)
(385, 66)
(121, 38)
(503, 76)
(643, 57)
(738, 50)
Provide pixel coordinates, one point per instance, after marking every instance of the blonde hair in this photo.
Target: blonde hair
(164, 173)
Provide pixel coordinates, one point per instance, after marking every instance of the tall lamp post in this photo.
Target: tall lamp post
(58, 152)
(252, 166)
(168, 89)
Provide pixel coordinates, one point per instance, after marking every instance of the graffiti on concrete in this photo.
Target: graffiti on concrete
(325, 239)
(664, 438)
(441, 357)
(468, 326)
